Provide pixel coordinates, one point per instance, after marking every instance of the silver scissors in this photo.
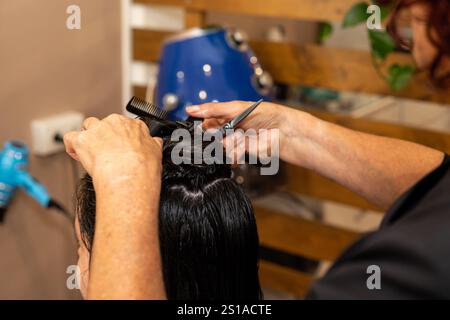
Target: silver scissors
(235, 121)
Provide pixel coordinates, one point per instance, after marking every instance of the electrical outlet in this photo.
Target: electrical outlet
(45, 130)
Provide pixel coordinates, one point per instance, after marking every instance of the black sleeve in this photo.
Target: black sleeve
(411, 249)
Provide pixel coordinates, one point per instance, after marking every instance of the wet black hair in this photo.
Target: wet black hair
(207, 231)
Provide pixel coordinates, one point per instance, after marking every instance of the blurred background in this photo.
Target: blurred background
(314, 63)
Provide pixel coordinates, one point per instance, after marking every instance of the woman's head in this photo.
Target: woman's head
(207, 232)
(430, 26)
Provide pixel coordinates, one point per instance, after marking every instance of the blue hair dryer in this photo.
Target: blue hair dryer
(13, 174)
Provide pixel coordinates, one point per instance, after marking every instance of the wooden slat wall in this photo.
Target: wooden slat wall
(316, 240)
(147, 44)
(140, 91)
(194, 18)
(284, 279)
(338, 69)
(297, 236)
(320, 10)
(312, 65)
(433, 139)
(311, 184)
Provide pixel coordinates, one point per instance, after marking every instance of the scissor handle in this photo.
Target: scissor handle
(233, 123)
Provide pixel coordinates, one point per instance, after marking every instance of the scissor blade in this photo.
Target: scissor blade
(243, 115)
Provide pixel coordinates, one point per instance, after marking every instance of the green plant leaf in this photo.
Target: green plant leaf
(400, 76)
(356, 15)
(325, 30)
(381, 43)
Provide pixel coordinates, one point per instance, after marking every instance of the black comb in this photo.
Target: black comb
(155, 118)
(146, 109)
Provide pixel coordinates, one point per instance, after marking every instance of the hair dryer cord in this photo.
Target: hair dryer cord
(53, 204)
(2, 214)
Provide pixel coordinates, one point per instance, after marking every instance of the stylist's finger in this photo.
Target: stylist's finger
(213, 123)
(226, 110)
(159, 141)
(90, 123)
(69, 141)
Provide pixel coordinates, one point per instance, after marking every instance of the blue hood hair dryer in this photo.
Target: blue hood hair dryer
(13, 174)
(209, 65)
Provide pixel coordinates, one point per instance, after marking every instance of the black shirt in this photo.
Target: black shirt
(411, 249)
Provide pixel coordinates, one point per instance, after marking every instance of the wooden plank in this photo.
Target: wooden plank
(147, 44)
(317, 10)
(311, 184)
(339, 69)
(140, 92)
(433, 139)
(194, 18)
(284, 279)
(312, 65)
(299, 236)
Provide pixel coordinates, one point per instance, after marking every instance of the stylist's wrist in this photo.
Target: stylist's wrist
(126, 169)
(298, 131)
(133, 188)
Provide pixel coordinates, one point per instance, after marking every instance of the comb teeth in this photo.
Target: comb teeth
(143, 108)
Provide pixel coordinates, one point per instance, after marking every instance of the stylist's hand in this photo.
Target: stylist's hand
(265, 116)
(125, 164)
(114, 146)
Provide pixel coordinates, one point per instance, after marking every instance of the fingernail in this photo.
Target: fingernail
(193, 108)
